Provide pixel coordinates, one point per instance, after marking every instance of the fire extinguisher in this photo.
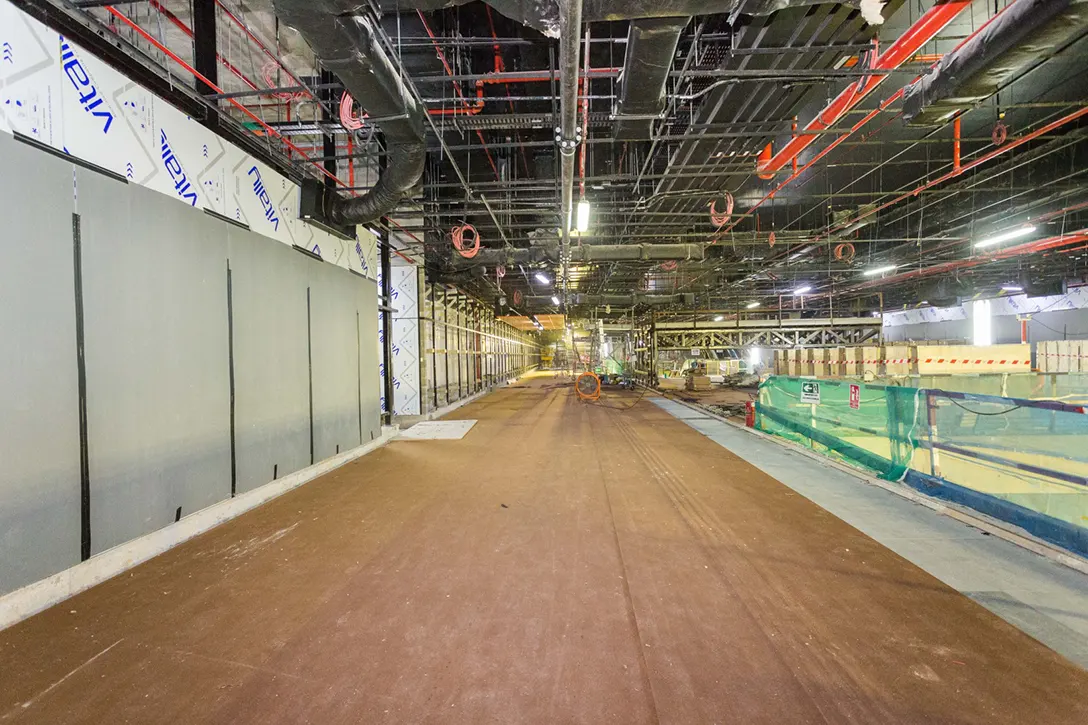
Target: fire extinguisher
(750, 413)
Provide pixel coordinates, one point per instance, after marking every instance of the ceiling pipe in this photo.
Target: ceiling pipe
(651, 47)
(600, 300)
(1009, 146)
(903, 49)
(1016, 38)
(1039, 245)
(158, 45)
(547, 16)
(569, 135)
(587, 253)
(347, 45)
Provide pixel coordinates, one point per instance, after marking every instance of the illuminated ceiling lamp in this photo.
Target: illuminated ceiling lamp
(583, 216)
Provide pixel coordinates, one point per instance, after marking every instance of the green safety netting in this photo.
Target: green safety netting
(1031, 454)
(879, 430)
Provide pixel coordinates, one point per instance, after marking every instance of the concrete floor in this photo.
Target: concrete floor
(1045, 599)
(564, 562)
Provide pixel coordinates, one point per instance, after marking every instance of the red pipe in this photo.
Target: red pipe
(174, 56)
(902, 50)
(199, 76)
(854, 129)
(457, 88)
(1053, 125)
(467, 109)
(830, 147)
(956, 144)
(189, 32)
(499, 68)
(260, 44)
(351, 162)
(1038, 245)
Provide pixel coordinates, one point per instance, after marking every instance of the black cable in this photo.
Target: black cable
(1074, 336)
(621, 408)
(1002, 412)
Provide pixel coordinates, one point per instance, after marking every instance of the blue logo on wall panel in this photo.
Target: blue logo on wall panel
(266, 201)
(177, 173)
(89, 97)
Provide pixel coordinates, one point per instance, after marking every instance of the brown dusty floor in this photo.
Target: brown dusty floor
(564, 563)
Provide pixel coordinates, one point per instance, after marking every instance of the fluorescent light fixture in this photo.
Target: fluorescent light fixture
(583, 216)
(719, 318)
(879, 270)
(752, 305)
(374, 231)
(981, 323)
(541, 278)
(555, 300)
(801, 290)
(1011, 288)
(1005, 236)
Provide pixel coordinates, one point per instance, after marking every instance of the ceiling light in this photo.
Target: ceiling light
(1011, 288)
(1005, 236)
(752, 305)
(555, 300)
(879, 270)
(583, 215)
(719, 318)
(802, 290)
(541, 278)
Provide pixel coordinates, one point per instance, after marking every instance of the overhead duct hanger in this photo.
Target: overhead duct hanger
(347, 44)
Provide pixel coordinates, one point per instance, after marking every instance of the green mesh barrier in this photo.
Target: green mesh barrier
(878, 430)
(1021, 459)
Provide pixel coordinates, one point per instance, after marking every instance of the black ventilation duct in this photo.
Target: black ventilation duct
(346, 44)
(651, 46)
(1026, 33)
(543, 15)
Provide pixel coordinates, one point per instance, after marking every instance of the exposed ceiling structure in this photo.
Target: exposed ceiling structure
(731, 153)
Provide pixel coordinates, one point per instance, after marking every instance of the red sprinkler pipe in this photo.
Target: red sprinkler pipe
(1039, 245)
(457, 88)
(956, 144)
(854, 129)
(899, 52)
(1053, 125)
(189, 32)
(199, 76)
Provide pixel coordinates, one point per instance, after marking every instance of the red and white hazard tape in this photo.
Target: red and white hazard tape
(938, 360)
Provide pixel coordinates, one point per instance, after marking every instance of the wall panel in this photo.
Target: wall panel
(367, 394)
(271, 371)
(335, 355)
(155, 301)
(39, 424)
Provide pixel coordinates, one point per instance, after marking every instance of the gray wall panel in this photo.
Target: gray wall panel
(155, 287)
(367, 300)
(157, 361)
(39, 425)
(272, 415)
(335, 347)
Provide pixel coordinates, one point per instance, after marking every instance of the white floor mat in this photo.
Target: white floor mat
(449, 430)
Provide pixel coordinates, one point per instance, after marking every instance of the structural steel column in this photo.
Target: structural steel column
(387, 321)
(204, 53)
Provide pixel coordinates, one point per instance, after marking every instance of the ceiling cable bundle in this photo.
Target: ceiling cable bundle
(720, 219)
(845, 252)
(349, 120)
(458, 233)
